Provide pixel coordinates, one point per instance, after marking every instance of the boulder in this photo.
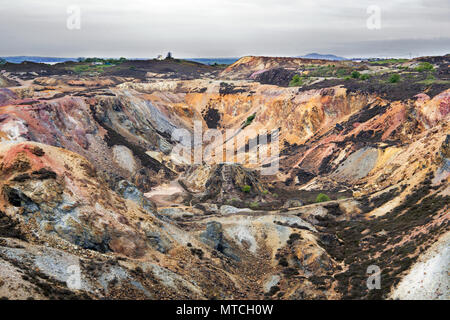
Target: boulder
(292, 203)
(225, 209)
(175, 213)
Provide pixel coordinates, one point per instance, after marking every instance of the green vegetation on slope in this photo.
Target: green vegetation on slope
(388, 61)
(95, 65)
(394, 78)
(424, 66)
(296, 81)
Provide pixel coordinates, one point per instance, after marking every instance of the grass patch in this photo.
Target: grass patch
(388, 61)
(433, 80)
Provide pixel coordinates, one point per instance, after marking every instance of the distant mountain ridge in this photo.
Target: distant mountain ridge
(37, 59)
(322, 57)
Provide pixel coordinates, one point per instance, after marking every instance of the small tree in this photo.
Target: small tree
(246, 188)
(356, 74)
(2, 61)
(321, 197)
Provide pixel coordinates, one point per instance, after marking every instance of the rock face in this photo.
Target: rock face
(228, 180)
(428, 278)
(278, 76)
(89, 180)
(213, 236)
(58, 193)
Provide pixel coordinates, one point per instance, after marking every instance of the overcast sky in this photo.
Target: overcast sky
(224, 28)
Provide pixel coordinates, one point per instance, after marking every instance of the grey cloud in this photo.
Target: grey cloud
(199, 28)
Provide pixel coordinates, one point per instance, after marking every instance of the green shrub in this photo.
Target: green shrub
(394, 78)
(356, 74)
(265, 192)
(296, 81)
(321, 197)
(254, 205)
(249, 120)
(81, 68)
(246, 188)
(132, 68)
(424, 66)
(364, 77)
(341, 72)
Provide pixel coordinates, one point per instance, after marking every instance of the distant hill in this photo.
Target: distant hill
(323, 57)
(20, 59)
(210, 61)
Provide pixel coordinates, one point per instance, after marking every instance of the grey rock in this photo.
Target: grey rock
(208, 208)
(293, 203)
(164, 146)
(158, 241)
(175, 213)
(272, 281)
(213, 237)
(225, 209)
(129, 191)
